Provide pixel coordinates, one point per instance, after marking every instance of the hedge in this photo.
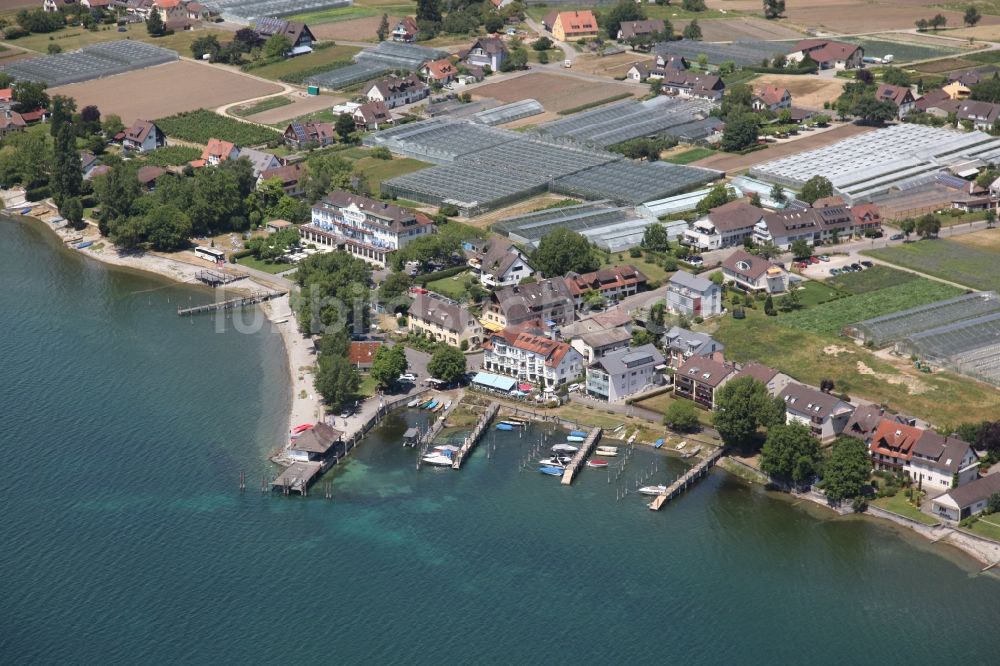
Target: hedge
(422, 280)
(38, 193)
(591, 105)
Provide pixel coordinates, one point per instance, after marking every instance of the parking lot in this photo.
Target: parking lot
(838, 262)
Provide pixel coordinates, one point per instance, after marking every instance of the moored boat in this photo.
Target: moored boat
(610, 451)
(413, 403)
(504, 426)
(550, 470)
(575, 438)
(424, 405)
(556, 461)
(446, 447)
(438, 407)
(658, 443)
(302, 428)
(431, 405)
(652, 490)
(597, 462)
(568, 448)
(577, 433)
(439, 459)
(447, 405)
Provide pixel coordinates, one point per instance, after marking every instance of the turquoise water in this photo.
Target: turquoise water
(126, 539)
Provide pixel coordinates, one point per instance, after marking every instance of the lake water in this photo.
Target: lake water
(126, 539)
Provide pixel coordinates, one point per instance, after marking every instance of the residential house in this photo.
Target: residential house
(829, 54)
(825, 414)
(631, 29)
(939, 462)
(613, 283)
(309, 133)
(500, 4)
(361, 354)
(599, 321)
(867, 218)
(487, 51)
(372, 116)
(197, 11)
(771, 98)
(147, 176)
(259, 160)
(968, 500)
(498, 262)
(11, 122)
(621, 374)
(143, 136)
(864, 422)
(892, 444)
(656, 69)
(693, 296)
(681, 344)
(540, 303)
(54, 5)
(684, 83)
(724, 226)
(439, 71)
(88, 161)
(699, 377)
(216, 152)
(531, 358)
(406, 30)
(290, 175)
(396, 91)
(169, 9)
(299, 34)
(6, 95)
(750, 272)
(596, 344)
(140, 9)
(314, 444)
(956, 90)
(95, 4)
(443, 320)
(567, 26)
(775, 381)
(784, 228)
(982, 115)
(901, 96)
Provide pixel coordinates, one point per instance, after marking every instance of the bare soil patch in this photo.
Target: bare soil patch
(612, 66)
(946, 65)
(863, 17)
(555, 92)
(534, 203)
(300, 106)
(912, 384)
(357, 30)
(808, 92)
(732, 163)
(164, 90)
(733, 29)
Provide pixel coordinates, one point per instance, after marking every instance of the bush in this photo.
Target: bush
(635, 253)
(14, 32)
(381, 153)
(699, 319)
(38, 193)
(422, 280)
(402, 321)
(464, 345)
(448, 210)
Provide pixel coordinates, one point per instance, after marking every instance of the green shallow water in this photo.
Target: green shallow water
(126, 539)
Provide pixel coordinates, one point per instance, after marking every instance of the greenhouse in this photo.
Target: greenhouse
(609, 226)
(971, 347)
(508, 113)
(90, 62)
(248, 11)
(376, 61)
(439, 140)
(634, 182)
(884, 330)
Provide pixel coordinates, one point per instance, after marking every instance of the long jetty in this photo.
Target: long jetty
(574, 464)
(232, 303)
(476, 434)
(689, 477)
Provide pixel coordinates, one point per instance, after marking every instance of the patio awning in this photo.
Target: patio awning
(524, 387)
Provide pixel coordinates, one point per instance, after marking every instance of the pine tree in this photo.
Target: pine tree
(383, 28)
(769, 306)
(154, 24)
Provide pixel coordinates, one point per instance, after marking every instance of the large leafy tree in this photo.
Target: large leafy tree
(773, 8)
(988, 437)
(972, 16)
(116, 192)
(167, 228)
(61, 110)
(326, 171)
(429, 10)
(29, 96)
(336, 379)
(744, 406)
(154, 24)
(928, 225)
(655, 238)
(447, 364)
(334, 294)
(205, 45)
(741, 132)
(717, 196)
(846, 471)
(383, 28)
(389, 363)
(692, 30)
(681, 415)
(66, 180)
(563, 251)
(790, 452)
(815, 188)
(392, 292)
(277, 46)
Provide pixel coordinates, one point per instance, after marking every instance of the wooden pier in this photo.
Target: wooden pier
(681, 484)
(477, 433)
(232, 303)
(297, 477)
(581, 455)
(217, 278)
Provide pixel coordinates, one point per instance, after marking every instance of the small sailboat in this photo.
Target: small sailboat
(438, 459)
(550, 470)
(504, 426)
(652, 490)
(597, 462)
(413, 403)
(658, 443)
(567, 448)
(575, 438)
(577, 433)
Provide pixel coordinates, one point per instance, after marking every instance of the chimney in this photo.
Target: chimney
(718, 356)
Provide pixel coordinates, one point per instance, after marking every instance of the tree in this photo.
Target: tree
(66, 180)
(493, 24)
(939, 21)
(801, 249)
(754, 201)
(89, 121)
(681, 415)
(624, 10)
(907, 226)
(429, 10)
(53, 49)
(846, 470)
(61, 110)
(790, 301)
(248, 39)
(154, 25)
(641, 336)
(769, 306)
(542, 44)
(773, 8)
(989, 438)
(896, 77)
(692, 30)
(336, 379)
(29, 96)
(277, 46)
(345, 127)
(326, 171)
(205, 45)
(972, 16)
(112, 125)
(740, 132)
(778, 194)
(168, 228)
(993, 503)
(873, 111)
(392, 292)
(72, 210)
(693, 5)
(447, 364)
(116, 191)
(922, 25)
(389, 363)
(928, 225)
(991, 218)
(562, 251)
(790, 452)
(127, 233)
(655, 238)
(717, 196)
(815, 188)
(738, 100)
(826, 385)
(744, 405)
(383, 28)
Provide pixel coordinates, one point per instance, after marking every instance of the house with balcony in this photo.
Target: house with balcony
(771, 98)
(498, 262)
(939, 462)
(406, 30)
(754, 273)
(367, 228)
(699, 377)
(892, 444)
(443, 320)
(596, 344)
(617, 375)
(693, 296)
(681, 344)
(143, 136)
(544, 304)
(531, 358)
(724, 226)
(775, 381)
(487, 51)
(613, 283)
(826, 415)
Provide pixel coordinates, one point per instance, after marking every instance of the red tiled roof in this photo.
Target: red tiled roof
(218, 148)
(578, 22)
(550, 349)
(362, 353)
(771, 94)
(895, 439)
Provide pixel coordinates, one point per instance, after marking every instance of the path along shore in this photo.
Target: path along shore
(182, 268)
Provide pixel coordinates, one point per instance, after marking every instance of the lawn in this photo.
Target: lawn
(692, 155)
(453, 287)
(903, 52)
(266, 266)
(941, 398)
(318, 60)
(900, 505)
(262, 105)
(989, 57)
(988, 527)
(830, 318)
(376, 170)
(660, 403)
(813, 293)
(872, 279)
(367, 387)
(949, 260)
(648, 264)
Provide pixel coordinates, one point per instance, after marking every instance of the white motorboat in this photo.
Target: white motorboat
(413, 403)
(607, 451)
(652, 490)
(559, 461)
(446, 447)
(565, 448)
(438, 459)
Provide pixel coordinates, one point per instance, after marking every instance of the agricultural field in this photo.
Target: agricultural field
(903, 52)
(739, 29)
(808, 92)
(830, 318)
(201, 125)
(946, 65)
(353, 30)
(300, 106)
(962, 263)
(171, 156)
(375, 170)
(292, 68)
(859, 16)
(152, 92)
(731, 163)
(555, 92)
(940, 397)
(359, 10)
(72, 38)
(691, 155)
(265, 104)
(872, 279)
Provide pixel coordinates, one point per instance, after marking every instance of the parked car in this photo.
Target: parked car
(824, 257)
(867, 264)
(896, 237)
(835, 271)
(695, 260)
(856, 266)
(814, 260)
(408, 377)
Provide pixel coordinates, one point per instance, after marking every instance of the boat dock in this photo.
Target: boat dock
(477, 433)
(232, 303)
(681, 484)
(581, 455)
(297, 477)
(217, 278)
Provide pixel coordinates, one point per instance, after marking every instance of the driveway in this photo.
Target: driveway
(366, 409)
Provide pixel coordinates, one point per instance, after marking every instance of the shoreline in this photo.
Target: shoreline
(297, 348)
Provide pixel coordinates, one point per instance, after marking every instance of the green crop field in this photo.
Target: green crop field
(830, 318)
(903, 52)
(171, 156)
(262, 105)
(294, 70)
(970, 266)
(689, 156)
(201, 125)
(876, 277)
(376, 170)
